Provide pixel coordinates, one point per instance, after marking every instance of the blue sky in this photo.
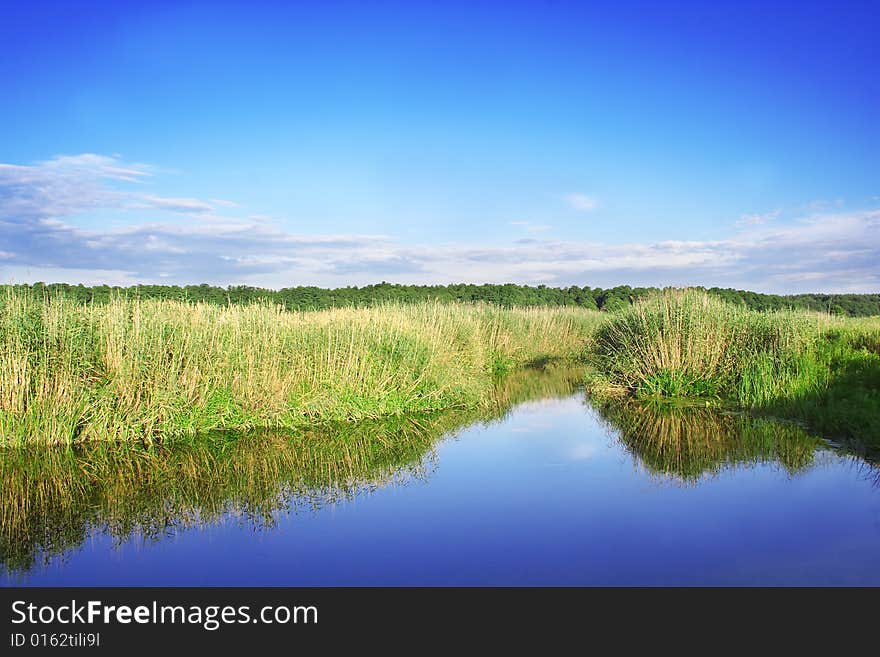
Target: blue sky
(340, 143)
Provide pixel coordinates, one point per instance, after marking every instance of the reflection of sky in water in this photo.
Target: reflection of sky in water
(548, 495)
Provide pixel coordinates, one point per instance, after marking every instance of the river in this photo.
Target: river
(544, 489)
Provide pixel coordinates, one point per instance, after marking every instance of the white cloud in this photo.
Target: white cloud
(757, 219)
(182, 205)
(823, 205)
(101, 166)
(532, 228)
(581, 202)
(70, 184)
(63, 186)
(582, 451)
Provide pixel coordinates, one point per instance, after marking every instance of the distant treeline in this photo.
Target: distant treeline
(508, 294)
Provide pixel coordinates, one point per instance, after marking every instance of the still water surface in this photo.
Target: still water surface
(552, 491)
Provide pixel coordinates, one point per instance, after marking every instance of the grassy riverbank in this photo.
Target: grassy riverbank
(819, 369)
(140, 370)
(143, 370)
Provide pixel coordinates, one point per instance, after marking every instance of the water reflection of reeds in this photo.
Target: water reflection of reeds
(55, 497)
(689, 443)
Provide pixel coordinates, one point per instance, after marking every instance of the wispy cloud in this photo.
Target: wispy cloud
(181, 205)
(64, 185)
(757, 219)
(40, 239)
(532, 228)
(824, 205)
(581, 202)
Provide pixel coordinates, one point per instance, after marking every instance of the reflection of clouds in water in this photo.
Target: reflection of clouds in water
(582, 451)
(532, 415)
(532, 428)
(538, 406)
(568, 447)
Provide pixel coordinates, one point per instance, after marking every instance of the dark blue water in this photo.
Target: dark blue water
(550, 495)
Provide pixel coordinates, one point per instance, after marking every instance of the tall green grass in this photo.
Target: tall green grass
(144, 370)
(148, 369)
(687, 343)
(845, 398)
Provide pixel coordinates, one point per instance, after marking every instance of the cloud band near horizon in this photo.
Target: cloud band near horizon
(194, 241)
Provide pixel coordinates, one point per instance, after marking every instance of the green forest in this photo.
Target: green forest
(506, 295)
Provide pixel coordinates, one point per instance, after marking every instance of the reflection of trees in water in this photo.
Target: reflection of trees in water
(54, 498)
(690, 442)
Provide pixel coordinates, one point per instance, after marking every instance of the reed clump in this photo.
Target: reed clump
(685, 343)
(141, 370)
(816, 368)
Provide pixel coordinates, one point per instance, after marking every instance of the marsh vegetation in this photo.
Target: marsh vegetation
(149, 370)
(684, 344)
(144, 370)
